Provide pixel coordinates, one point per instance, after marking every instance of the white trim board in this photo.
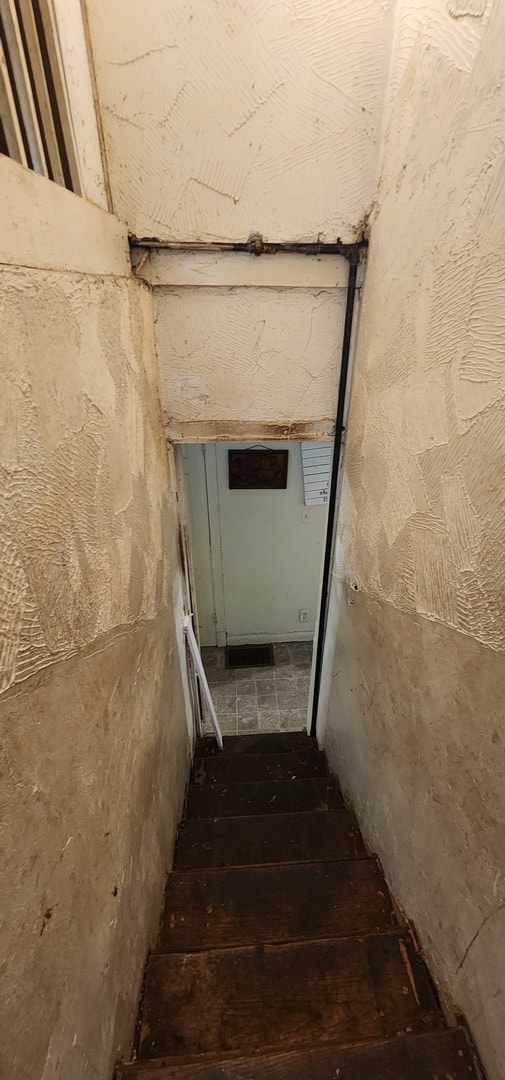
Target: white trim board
(79, 85)
(267, 639)
(46, 227)
(241, 270)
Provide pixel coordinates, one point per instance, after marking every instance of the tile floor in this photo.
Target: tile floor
(261, 698)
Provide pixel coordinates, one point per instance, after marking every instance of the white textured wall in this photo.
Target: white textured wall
(417, 699)
(220, 120)
(223, 119)
(425, 462)
(92, 721)
(248, 356)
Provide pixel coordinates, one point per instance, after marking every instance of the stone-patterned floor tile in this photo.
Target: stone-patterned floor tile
(268, 715)
(247, 726)
(269, 723)
(283, 668)
(268, 705)
(267, 698)
(292, 719)
(210, 656)
(246, 688)
(228, 725)
(224, 693)
(265, 688)
(213, 675)
(225, 706)
(302, 683)
(264, 674)
(284, 683)
(300, 664)
(245, 674)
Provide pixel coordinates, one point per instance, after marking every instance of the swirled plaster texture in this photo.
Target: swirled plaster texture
(82, 503)
(94, 748)
(223, 119)
(415, 680)
(248, 356)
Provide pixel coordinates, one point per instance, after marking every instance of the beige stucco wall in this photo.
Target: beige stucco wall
(225, 119)
(416, 696)
(93, 727)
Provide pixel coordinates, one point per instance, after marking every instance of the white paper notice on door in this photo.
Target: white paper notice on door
(316, 468)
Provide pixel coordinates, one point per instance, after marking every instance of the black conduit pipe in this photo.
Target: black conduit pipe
(332, 496)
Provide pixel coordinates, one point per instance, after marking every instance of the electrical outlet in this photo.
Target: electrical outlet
(303, 614)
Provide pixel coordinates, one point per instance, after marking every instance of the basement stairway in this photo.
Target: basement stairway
(280, 955)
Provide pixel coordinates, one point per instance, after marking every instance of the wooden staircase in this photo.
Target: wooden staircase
(280, 956)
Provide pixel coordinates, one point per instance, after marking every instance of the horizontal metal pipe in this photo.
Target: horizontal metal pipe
(255, 245)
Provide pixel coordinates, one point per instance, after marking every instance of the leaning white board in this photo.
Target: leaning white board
(202, 678)
(316, 468)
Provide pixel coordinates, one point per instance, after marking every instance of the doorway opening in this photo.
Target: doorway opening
(257, 549)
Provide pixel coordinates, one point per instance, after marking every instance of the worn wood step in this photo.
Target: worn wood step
(436, 1054)
(268, 838)
(275, 743)
(262, 797)
(285, 996)
(249, 768)
(215, 909)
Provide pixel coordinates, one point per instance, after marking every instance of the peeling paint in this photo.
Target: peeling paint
(203, 431)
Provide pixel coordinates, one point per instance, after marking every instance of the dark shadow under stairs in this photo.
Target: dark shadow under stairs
(280, 956)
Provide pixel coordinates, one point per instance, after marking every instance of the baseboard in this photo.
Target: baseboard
(266, 639)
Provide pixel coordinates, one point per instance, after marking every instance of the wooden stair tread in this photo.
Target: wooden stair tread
(262, 797)
(276, 743)
(246, 768)
(346, 990)
(441, 1054)
(214, 909)
(278, 955)
(265, 838)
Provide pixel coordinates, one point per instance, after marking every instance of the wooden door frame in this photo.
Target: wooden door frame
(189, 601)
(216, 553)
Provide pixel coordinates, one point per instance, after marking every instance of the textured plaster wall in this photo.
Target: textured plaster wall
(226, 118)
(248, 355)
(416, 694)
(93, 731)
(222, 119)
